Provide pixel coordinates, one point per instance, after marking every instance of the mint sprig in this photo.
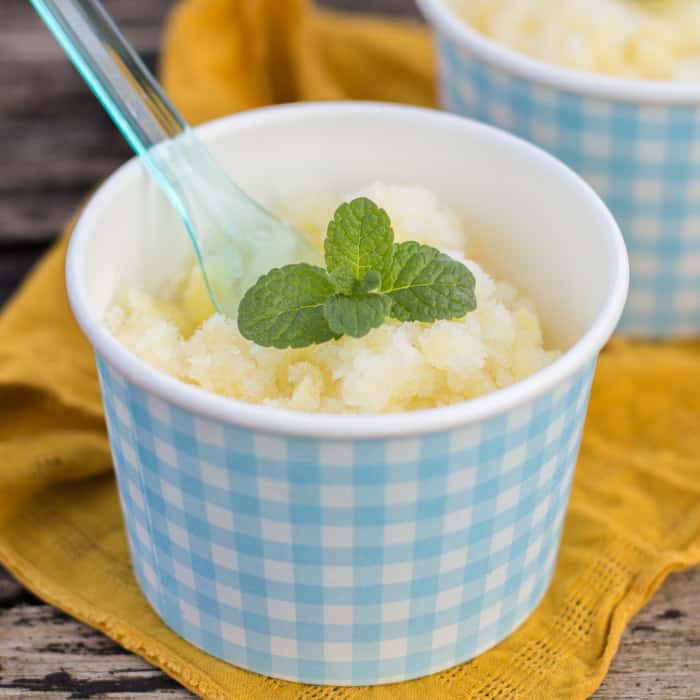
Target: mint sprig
(284, 308)
(359, 238)
(356, 315)
(426, 285)
(368, 278)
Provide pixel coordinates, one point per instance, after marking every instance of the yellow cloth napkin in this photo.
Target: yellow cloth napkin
(635, 507)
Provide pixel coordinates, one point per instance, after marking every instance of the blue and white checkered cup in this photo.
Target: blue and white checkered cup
(342, 549)
(636, 142)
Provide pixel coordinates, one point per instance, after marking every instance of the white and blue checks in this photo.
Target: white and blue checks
(643, 160)
(343, 562)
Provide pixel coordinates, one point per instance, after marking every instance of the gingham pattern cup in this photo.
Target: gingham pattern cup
(354, 549)
(343, 562)
(642, 156)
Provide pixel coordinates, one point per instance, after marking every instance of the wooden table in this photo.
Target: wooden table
(55, 144)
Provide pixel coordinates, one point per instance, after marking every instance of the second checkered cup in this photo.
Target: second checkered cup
(636, 142)
(355, 549)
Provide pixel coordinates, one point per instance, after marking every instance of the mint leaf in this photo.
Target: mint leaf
(360, 237)
(343, 279)
(426, 285)
(345, 283)
(284, 308)
(356, 315)
(369, 282)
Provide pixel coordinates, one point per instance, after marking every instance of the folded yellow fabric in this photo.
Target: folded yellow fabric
(635, 507)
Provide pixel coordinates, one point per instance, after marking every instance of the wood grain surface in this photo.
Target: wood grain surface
(56, 143)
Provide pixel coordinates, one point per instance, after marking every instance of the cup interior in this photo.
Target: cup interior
(530, 220)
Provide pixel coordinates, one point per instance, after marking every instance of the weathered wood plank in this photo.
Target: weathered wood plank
(659, 657)
(15, 262)
(11, 592)
(402, 8)
(55, 140)
(45, 654)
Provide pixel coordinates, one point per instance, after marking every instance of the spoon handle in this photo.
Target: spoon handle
(113, 70)
(128, 92)
(234, 238)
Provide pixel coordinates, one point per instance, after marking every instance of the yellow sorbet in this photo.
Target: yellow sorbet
(396, 367)
(649, 39)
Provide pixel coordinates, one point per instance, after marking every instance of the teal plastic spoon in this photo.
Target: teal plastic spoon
(235, 239)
